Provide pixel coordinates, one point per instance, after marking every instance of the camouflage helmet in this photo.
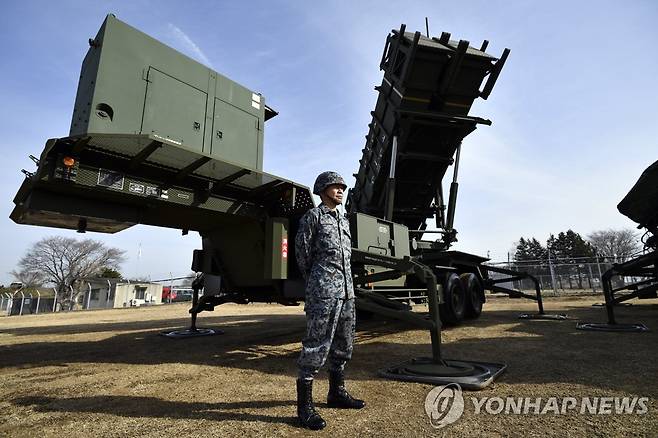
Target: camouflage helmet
(325, 179)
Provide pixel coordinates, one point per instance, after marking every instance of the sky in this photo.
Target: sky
(574, 111)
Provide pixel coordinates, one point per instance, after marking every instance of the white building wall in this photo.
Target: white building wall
(122, 295)
(137, 294)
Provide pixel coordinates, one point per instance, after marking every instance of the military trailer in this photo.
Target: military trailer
(157, 138)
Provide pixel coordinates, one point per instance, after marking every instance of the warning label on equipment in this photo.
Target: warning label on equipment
(109, 179)
(136, 188)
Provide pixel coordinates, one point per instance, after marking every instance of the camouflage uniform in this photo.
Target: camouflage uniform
(323, 249)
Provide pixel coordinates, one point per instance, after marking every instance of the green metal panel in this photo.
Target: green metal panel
(250, 103)
(382, 237)
(379, 236)
(232, 129)
(233, 243)
(124, 55)
(174, 110)
(276, 249)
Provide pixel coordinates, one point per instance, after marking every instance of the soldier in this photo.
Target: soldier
(323, 249)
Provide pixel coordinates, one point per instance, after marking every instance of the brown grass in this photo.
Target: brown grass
(107, 373)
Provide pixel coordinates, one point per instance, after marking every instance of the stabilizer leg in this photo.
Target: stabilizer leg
(194, 331)
(436, 370)
(610, 302)
(492, 285)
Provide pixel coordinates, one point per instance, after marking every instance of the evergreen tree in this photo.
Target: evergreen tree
(109, 273)
(579, 247)
(536, 251)
(569, 245)
(566, 248)
(521, 252)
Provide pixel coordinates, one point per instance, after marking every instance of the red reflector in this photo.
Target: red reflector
(284, 248)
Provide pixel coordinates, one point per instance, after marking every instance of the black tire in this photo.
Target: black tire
(474, 294)
(454, 305)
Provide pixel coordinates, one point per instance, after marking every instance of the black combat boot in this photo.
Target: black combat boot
(338, 396)
(308, 416)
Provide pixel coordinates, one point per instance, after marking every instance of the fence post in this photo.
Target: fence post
(38, 301)
(88, 296)
(509, 266)
(55, 300)
(591, 283)
(109, 291)
(598, 264)
(20, 313)
(550, 267)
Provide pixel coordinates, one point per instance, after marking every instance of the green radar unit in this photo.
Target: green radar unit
(133, 84)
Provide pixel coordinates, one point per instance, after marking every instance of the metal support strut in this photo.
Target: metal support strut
(644, 267)
(492, 285)
(390, 193)
(193, 331)
(434, 370)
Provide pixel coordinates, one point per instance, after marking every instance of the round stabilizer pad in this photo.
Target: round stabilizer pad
(449, 369)
(619, 304)
(544, 316)
(605, 327)
(180, 334)
(468, 374)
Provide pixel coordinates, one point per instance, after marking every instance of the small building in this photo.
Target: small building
(116, 293)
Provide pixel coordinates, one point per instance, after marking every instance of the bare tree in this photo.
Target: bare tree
(64, 261)
(29, 279)
(618, 244)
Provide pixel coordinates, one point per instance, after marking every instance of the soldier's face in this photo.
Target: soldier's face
(334, 193)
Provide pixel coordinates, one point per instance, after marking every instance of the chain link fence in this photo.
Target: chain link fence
(581, 275)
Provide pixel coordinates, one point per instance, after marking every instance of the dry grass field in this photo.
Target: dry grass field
(108, 373)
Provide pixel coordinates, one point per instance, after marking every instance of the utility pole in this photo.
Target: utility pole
(171, 286)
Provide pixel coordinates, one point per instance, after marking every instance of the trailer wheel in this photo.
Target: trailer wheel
(474, 294)
(454, 305)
